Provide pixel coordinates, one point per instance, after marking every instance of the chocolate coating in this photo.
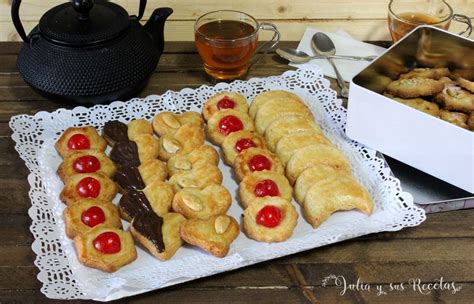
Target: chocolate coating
(133, 203)
(115, 131)
(129, 178)
(125, 153)
(149, 225)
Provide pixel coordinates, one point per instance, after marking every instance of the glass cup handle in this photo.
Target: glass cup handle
(268, 45)
(464, 19)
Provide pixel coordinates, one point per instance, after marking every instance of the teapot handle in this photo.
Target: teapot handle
(141, 9)
(17, 22)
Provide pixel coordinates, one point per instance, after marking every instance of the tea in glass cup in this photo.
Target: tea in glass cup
(227, 40)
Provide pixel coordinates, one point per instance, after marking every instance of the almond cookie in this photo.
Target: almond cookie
(86, 213)
(286, 125)
(199, 177)
(456, 99)
(256, 159)
(433, 73)
(456, 118)
(224, 100)
(265, 97)
(414, 87)
(214, 234)
(420, 104)
(79, 138)
(138, 127)
(201, 156)
(186, 138)
(160, 195)
(466, 84)
(239, 141)
(159, 235)
(86, 161)
(307, 157)
(334, 194)
(88, 185)
(225, 122)
(263, 184)
(202, 204)
(269, 219)
(276, 109)
(105, 248)
(169, 122)
(290, 143)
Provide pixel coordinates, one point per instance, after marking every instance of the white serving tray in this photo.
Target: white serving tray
(63, 277)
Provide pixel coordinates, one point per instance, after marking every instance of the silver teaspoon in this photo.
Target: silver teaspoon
(297, 56)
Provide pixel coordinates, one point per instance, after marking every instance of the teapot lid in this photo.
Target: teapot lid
(81, 22)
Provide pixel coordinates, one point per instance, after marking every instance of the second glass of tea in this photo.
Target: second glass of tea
(227, 41)
(405, 15)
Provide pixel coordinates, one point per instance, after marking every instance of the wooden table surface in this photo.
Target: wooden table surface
(440, 248)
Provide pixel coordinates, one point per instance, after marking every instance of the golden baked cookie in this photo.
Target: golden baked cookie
(292, 142)
(433, 73)
(267, 96)
(86, 213)
(214, 234)
(86, 161)
(287, 125)
(334, 194)
(159, 235)
(263, 184)
(313, 175)
(466, 84)
(270, 219)
(470, 121)
(138, 127)
(202, 204)
(148, 147)
(456, 118)
(414, 87)
(225, 122)
(456, 99)
(168, 122)
(307, 157)
(160, 195)
(186, 138)
(200, 156)
(88, 185)
(199, 177)
(256, 159)
(278, 109)
(151, 170)
(224, 100)
(79, 138)
(420, 104)
(105, 248)
(238, 141)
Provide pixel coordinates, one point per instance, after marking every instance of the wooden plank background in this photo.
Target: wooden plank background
(364, 19)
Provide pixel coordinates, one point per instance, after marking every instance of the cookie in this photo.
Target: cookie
(414, 87)
(86, 213)
(137, 128)
(334, 194)
(151, 170)
(267, 96)
(186, 138)
(201, 156)
(199, 177)
(133, 203)
(86, 161)
(225, 122)
(129, 178)
(105, 248)
(88, 185)
(238, 141)
(79, 138)
(148, 147)
(278, 109)
(456, 118)
(456, 99)
(288, 125)
(159, 235)
(125, 153)
(202, 204)
(420, 104)
(269, 219)
(224, 100)
(160, 195)
(214, 234)
(168, 122)
(432, 73)
(263, 184)
(256, 159)
(466, 84)
(115, 131)
(470, 121)
(307, 157)
(290, 143)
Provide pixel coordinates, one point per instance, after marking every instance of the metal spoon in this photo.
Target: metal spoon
(297, 56)
(323, 46)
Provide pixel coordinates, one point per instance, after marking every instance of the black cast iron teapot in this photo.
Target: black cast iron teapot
(90, 52)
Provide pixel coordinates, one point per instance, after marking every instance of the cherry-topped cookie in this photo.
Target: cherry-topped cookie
(225, 122)
(222, 101)
(263, 184)
(88, 185)
(239, 141)
(86, 161)
(254, 160)
(79, 138)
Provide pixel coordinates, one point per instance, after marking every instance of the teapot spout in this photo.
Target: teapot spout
(156, 24)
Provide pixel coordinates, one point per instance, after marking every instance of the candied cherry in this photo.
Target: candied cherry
(78, 142)
(266, 187)
(107, 242)
(269, 216)
(229, 124)
(86, 164)
(93, 216)
(88, 187)
(259, 163)
(244, 143)
(225, 103)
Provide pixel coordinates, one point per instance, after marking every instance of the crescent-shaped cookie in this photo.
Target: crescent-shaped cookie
(201, 156)
(334, 194)
(202, 204)
(187, 138)
(86, 161)
(263, 184)
(168, 122)
(225, 122)
(88, 185)
(79, 138)
(199, 177)
(275, 109)
(224, 100)
(256, 159)
(238, 141)
(267, 96)
(291, 143)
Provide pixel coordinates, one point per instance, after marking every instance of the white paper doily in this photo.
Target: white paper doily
(64, 278)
